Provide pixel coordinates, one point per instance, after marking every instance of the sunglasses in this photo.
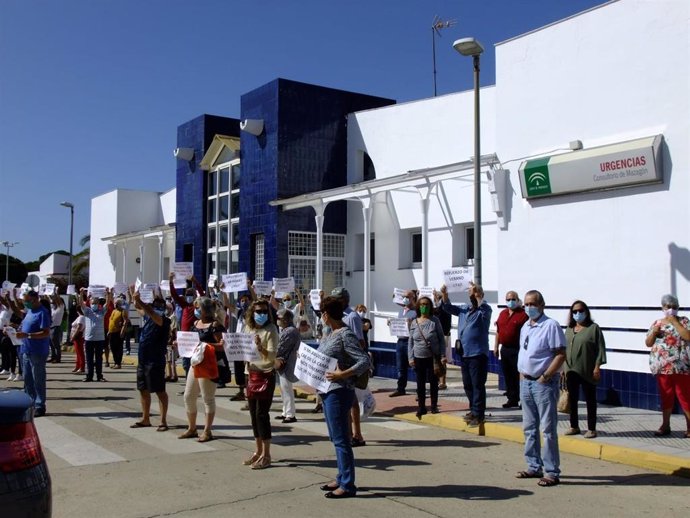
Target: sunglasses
(261, 311)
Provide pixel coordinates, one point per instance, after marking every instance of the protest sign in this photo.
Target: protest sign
(49, 289)
(315, 299)
(8, 286)
(183, 271)
(426, 291)
(235, 282)
(11, 333)
(71, 289)
(263, 287)
(165, 285)
(186, 342)
(399, 327)
(240, 347)
(97, 291)
(398, 295)
(119, 288)
(311, 367)
(212, 278)
(284, 285)
(146, 295)
(457, 279)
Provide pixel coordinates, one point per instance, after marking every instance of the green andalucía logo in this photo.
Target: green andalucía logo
(537, 177)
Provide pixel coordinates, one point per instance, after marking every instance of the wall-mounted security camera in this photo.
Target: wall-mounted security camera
(184, 153)
(252, 126)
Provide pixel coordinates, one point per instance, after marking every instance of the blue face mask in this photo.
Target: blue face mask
(197, 313)
(189, 299)
(579, 316)
(512, 304)
(406, 301)
(533, 312)
(260, 318)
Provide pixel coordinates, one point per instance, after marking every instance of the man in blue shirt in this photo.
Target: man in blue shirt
(542, 352)
(35, 331)
(474, 337)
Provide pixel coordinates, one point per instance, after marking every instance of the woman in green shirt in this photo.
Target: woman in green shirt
(585, 353)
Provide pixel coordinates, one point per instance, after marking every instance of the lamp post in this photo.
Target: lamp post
(71, 237)
(471, 47)
(8, 245)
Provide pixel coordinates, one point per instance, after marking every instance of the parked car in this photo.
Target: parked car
(25, 486)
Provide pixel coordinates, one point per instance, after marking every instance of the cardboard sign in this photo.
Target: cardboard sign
(311, 367)
(240, 347)
(235, 282)
(186, 342)
(457, 279)
(284, 285)
(399, 327)
(263, 287)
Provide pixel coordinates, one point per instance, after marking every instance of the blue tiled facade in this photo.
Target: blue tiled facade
(191, 187)
(303, 149)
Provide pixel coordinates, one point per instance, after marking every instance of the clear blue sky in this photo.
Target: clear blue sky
(92, 91)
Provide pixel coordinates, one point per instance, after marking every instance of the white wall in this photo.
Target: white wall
(609, 75)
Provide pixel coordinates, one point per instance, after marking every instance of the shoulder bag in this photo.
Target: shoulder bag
(563, 405)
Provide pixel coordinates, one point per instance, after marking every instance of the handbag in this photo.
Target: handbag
(439, 368)
(563, 405)
(259, 385)
(198, 354)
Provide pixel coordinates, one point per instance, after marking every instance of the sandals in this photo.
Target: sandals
(663, 432)
(205, 436)
(251, 460)
(189, 434)
(529, 474)
(572, 431)
(263, 463)
(162, 428)
(139, 424)
(548, 482)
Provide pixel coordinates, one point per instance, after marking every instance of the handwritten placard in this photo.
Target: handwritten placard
(240, 347)
(71, 289)
(97, 291)
(186, 342)
(11, 333)
(235, 282)
(8, 286)
(146, 295)
(311, 367)
(315, 299)
(165, 285)
(457, 279)
(50, 289)
(183, 271)
(399, 327)
(398, 295)
(119, 288)
(426, 291)
(284, 285)
(263, 287)
(212, 278)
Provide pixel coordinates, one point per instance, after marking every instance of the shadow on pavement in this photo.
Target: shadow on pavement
(376, 464)
(644, 479)
(459, 491)
(102, 415)
(94, 398)
(418, 443)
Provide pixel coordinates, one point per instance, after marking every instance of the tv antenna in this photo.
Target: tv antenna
(436, 27)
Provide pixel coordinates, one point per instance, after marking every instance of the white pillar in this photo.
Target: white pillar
(124, 262)
(366, 213)
(161, 238)
(425, 193)
(319, 209)
(141, 261)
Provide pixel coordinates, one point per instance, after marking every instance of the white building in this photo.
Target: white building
(132, 236)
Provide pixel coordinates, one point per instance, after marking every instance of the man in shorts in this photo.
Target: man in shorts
(153, 341)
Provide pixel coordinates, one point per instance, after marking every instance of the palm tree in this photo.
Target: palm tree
(81, 259)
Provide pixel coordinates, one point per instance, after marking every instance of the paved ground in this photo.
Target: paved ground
(101, 467)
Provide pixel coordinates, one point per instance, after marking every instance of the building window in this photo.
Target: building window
(235, 174)
(224, 180)
(222, 205)
(417, 248)
(469, 244)
(368, 170)
(302, 260)
(258, 257)
(358, 260)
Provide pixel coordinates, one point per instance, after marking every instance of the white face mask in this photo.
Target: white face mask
(361, 314)
(670, 312)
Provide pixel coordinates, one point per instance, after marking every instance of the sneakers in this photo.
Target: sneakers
(4, 371)
(18, 377)
(10, 377)
(511, 404)
(239, 396)
(288, 420)
(590, 434)
(572, 431)
(474, 422)
(396, 394)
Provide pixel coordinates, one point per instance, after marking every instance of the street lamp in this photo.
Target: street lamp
(8, 245)
(471, 47)
(71, 237)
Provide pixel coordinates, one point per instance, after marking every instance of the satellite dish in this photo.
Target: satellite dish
(33, 280)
